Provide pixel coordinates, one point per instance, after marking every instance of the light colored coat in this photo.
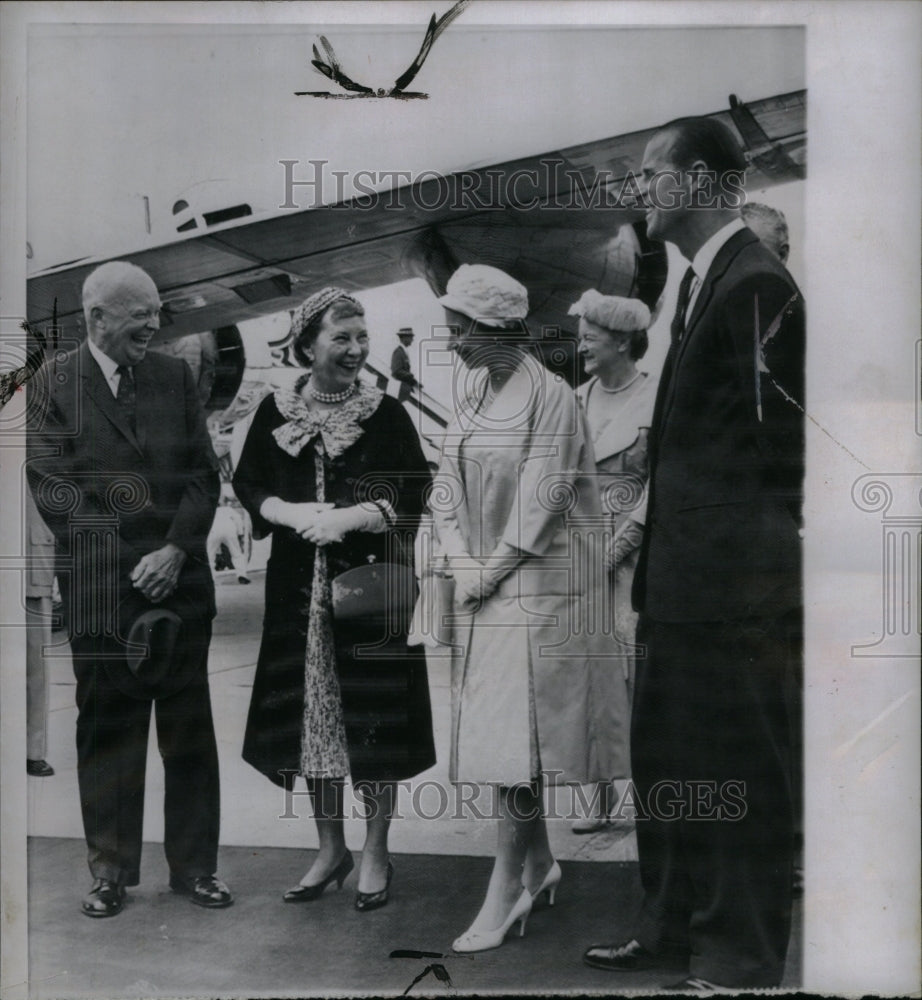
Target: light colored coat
(537, 682)
(620, 450)
(39, 586)
(39, 552)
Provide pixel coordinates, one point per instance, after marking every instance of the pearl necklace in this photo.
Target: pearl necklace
(620, 388)
(331, 397)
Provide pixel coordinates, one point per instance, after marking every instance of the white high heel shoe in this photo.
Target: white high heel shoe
(549, 885)
(485, 940)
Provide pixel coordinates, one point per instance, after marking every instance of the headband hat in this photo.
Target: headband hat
(317, 304)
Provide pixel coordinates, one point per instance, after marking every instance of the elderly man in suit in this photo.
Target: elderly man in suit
(718, 585)
(770, 225)
(122, 469)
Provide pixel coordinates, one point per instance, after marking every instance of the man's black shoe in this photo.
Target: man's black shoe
(39, 768)
(105, 899)
(203, 890)
(621, 957)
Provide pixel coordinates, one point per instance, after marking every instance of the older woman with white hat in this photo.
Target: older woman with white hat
(618, 402)
(536, 697)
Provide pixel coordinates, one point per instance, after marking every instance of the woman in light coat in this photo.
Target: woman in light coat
(536, 695)
(617, 401)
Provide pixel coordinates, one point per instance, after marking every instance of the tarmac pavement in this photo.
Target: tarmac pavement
(162, 946)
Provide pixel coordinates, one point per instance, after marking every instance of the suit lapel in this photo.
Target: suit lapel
(147, 401)
(721, 263)
(725, 257)
(665, 387)
(99, 391)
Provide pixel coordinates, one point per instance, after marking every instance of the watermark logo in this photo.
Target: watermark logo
(668, 800)
(897, 498)
(554, 184)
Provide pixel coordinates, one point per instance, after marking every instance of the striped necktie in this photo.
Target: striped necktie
(126, 396)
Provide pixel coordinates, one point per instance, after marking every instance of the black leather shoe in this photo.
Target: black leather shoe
(621, 957)
(105, 899)
(365, 901)
(203, 890)
(39, 768)
(308, 893)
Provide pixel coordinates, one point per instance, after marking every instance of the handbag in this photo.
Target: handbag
(382, 591)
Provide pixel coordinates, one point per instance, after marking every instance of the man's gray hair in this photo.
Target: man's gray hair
(770, 225)
(100, 283)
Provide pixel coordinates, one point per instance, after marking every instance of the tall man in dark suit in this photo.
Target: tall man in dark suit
(122, 469)
(718, 585)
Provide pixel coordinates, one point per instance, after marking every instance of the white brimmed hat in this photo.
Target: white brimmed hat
(485, 294)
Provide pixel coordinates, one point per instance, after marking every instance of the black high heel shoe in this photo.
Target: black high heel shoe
(365, 901)
(308, 893)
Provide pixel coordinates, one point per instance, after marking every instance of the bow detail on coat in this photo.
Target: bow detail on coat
(339, 428)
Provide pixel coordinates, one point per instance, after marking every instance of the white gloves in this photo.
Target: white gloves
(322, 523)
(475, 580)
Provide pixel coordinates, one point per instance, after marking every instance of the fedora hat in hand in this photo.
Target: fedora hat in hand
(163, 645)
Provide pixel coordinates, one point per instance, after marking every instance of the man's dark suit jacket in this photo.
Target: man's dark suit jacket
(160, 481)
(400, 366)
(723, 513)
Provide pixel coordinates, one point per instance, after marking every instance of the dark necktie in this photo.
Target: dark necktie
(676, 331)
(126, 396)
(678, 323)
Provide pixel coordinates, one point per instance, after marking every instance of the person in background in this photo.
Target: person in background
(618, 402)
(400, 363)
(770, 225)
(39, 590)
(233, 529)
(200, 352)
(333, 469)
(536, 695)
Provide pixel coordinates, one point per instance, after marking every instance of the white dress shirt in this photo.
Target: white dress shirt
(705, 257)
(106, 365)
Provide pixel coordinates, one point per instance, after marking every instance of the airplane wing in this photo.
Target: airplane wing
(770, 155)
(547, 219)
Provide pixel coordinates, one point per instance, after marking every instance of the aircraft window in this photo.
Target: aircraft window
(226, 214)
(180, 206)
(186, 226)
